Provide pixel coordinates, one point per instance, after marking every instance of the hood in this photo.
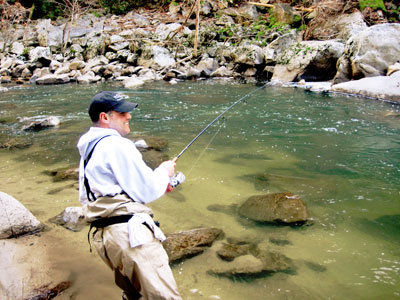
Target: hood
(89, 139)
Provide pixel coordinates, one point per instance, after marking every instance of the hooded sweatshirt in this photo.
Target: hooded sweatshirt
(116, 166)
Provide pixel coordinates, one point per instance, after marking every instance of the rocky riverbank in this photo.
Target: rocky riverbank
(144, 46)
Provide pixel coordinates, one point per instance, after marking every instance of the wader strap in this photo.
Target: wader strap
(85, 180)
(104, 222)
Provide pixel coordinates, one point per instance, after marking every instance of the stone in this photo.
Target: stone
(309, 60)
(369, 53)
(133, 82)
(15, 219)
(53, 79)
(9, 142)
(284, 13)
(222, 72)
(229, 252)
(248, 266)
(392, 69)
(185, 244)
(207, 66)
(119, 46)
(17, 48)
(39, 54)
(77, 65)
(162, 57)
(71, 218)
(89, 77)
(380, 87)
(65, 174)
(153, 158)
(41, 124)
(285, 208)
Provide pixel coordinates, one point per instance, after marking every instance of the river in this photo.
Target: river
(340, 154)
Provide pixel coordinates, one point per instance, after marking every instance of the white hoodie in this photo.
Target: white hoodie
(117, 166)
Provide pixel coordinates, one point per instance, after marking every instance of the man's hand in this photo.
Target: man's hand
(170, 166)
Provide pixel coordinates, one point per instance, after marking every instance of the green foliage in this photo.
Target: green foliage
(374, 4)
(119, 7)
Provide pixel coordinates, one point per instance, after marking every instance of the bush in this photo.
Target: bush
(374, 4)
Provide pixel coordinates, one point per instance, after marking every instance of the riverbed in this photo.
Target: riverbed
(340, 154)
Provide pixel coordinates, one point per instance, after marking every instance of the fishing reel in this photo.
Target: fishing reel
(177, 179)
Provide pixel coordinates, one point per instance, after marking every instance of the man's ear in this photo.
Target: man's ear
(104, 117)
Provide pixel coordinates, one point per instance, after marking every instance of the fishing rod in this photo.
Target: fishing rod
(217, 118)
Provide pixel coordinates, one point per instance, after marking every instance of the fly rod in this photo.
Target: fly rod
(217, 118)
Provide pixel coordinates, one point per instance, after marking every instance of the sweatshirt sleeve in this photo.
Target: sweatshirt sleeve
(132, 174)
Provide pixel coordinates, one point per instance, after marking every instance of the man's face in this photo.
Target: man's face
(120, 122)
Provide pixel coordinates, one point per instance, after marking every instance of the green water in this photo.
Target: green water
(340, 154)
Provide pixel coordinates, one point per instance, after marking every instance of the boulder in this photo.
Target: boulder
(15, 219)
(369, 53)
(153, 158)
(380, 87)
(71, 218)
(284, 13)
(309, 60)
(41, 124)
(41, 54)
(29, 271)
(222, 72)
(185, 244)
(88, 77)
(8, 142)
(285, 208)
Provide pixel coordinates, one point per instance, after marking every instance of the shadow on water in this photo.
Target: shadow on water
(240, 158)
(386, 227)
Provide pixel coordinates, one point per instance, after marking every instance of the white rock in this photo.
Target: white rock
(133, 82)
(15, 219)
(17, 48)
(141, 144)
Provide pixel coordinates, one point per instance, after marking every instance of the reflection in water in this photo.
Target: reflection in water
(340, 155)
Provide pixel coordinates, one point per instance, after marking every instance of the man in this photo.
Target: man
(114, 185)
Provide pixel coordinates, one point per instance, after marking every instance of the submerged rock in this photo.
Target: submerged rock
(249, 266)
(65, 174)
(230, 251)
(8, 142)
(185, 244)
(15, 219)
(153, 158)
(276, 208)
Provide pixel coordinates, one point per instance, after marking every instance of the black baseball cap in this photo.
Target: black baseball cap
(107, 101)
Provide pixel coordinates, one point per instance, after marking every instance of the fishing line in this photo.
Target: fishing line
(218, 117)
(205, 148)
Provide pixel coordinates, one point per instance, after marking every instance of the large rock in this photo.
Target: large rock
(309, 60)
(341, 27)
(380, 87)
(280, 208)
(41, 124)
(29, 272)
(248, 54)
(15, 219)
(369, 53)
(162, 57)
(41, 54)
(185, 244)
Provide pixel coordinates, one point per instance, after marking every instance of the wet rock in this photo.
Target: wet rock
(48, 292)
(15, 219)
(38, 125)
(280, 242)
(71, 218)
(284, 208)
(89, 77)
(65, 174)
(185, 244)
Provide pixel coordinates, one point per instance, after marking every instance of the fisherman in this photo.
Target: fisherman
(114, 185)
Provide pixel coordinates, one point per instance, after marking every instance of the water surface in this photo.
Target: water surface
(340, 154)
